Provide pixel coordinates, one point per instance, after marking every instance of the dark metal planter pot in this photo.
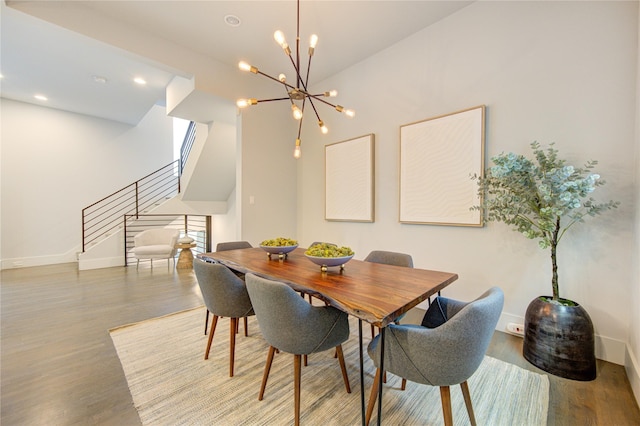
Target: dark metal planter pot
(559, 340)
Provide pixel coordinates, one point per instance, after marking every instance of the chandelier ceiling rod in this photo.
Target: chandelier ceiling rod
(299, 92)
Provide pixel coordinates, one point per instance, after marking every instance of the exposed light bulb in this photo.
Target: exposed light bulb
(348, 112)
(312, 44)
(331, 93)
(323, 128)
(242, 103)
(297, 152)
(297, 113)
(246, 67)
(282, 78)
(279, 38)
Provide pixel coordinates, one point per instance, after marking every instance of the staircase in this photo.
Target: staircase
(197, 185)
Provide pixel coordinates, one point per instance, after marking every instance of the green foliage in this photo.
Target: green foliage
(541, 198)
(328, 250)
(279, 242)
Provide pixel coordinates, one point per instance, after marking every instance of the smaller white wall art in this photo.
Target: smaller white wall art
(438, 156)
(349, 182)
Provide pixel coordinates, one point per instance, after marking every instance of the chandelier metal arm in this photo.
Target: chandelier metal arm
(319, 98)
(272, 99)
(275, 79)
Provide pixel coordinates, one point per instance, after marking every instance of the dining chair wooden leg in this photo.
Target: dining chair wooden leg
(206, 322)
(267, 368)
(232, 344)
(373, 397)
(214, 321)
(305, 360)
(296, 387)
(445, 395)
(343, 367)
(467, 401)
(373, 331)
(246, 327)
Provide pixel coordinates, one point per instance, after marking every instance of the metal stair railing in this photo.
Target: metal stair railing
(187, 144)
(197, 227)
(103, 217)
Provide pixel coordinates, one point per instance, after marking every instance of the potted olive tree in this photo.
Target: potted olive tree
(542, 198)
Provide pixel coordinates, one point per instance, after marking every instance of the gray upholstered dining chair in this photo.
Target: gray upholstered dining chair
(225, 295)
(290, 324)
(229, 245)
(445, 350)
(389, 258)
(233, 245)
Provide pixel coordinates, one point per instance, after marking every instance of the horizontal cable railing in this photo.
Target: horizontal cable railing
(105, 216)
(187, 144)
(197, 227)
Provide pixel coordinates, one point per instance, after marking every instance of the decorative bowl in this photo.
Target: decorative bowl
(281, 251)
(326, 262)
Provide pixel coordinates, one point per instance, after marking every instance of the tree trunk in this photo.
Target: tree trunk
(554, 262)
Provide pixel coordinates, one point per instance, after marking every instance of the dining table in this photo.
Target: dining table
(372, 292)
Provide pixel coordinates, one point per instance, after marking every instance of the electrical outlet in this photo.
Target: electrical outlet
(514, 328)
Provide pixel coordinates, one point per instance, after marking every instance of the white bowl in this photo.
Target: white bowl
(279, 250)
(326, 262)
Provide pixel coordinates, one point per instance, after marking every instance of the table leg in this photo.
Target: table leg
(361, 373)
(382, 333)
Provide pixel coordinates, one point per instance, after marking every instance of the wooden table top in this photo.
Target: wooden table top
(373, 292)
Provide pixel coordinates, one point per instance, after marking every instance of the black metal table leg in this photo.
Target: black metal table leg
(361, 374)
(382, 333)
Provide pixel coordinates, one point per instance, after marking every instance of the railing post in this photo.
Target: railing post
(137, 201)
(186, 225)
(126, 257)
(83, 236)
(208, 234)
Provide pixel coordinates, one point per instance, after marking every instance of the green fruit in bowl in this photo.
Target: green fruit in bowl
(279, 242)
(328, 250)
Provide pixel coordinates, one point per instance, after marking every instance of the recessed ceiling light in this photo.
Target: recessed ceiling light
(232, 20)
(99, 79)
(40, 97)
(140, 80)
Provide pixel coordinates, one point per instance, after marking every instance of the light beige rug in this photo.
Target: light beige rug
(172, 384)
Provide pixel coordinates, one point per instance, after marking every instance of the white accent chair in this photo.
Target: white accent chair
(156, 243)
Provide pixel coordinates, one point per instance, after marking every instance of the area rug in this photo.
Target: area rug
(172, 384)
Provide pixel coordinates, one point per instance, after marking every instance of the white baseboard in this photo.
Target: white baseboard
(25, 262)
(632, 367)
(105, 262)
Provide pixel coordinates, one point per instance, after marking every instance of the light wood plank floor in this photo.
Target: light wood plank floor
(59, 366)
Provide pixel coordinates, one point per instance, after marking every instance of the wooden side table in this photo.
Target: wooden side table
(185, 259)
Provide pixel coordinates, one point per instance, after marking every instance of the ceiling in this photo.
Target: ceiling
(62, 49)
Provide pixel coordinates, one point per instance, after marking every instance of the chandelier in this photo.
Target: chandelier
(297, 93)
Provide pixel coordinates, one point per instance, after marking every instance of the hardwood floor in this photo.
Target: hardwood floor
(59, 366)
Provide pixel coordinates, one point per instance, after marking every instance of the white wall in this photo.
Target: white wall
(547, 71)
(55, 163)
(268, 169)
(632, 362)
